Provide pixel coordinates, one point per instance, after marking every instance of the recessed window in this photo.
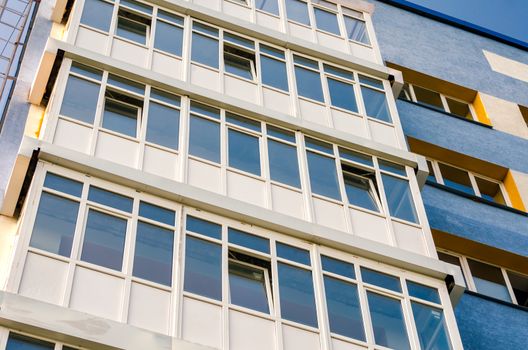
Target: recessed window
(132, 27)
(490, 190)
(456, 178)
(360, 187)
(239, 62)
(297, 11)
(121, 113)
(459, 108)
(428, 97)
(97, 14)
(489, 280)
(249, 285)
(519, 284)
(80, 99)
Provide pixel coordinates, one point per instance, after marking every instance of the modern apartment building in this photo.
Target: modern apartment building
(464, 107)
(239, 174)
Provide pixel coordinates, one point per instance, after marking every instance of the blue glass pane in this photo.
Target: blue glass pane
(203, 227)
(203, 268)
(80, 99)
(387, 322)
(235, 63)
(431, 327)
(309, 84)
(489, 280)
(244, 122)
(338, 71)
(126, 84)
(136, 5)
(342, 95)
(305, 62)
(131, 30)
(371, 81)
(323, 175)
(356, 157)
(318, 145)
(170, 17)
(235, 39)
(360, 192)
(97, 14)
(283, 163)
(163, 126)
(392, 167)
(376, 104)
(244, 153)
(297, 11)
(274, 73)
(282, 134)
(338, 267)
(418, 290)
(204, 50)
(356, 30)
(153, 253)
(381, 279)
(271, 51)
(271, 6)
(248, 240)
(120, 117)
(289, 252)
(212, 112)
(401, 203)
(204, 139)
(21, 342)
(110, 199)
(326, 21)
(86, 71)
(153, 212)
(165, 97)
(205, 29)
(169, 38)
(55, 224)
(297, 299)
(455, 178)
(344, 311)
(63, 184)
(247, 287)
(104, 240)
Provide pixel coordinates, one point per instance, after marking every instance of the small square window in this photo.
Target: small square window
(239, 62)
(121, 113)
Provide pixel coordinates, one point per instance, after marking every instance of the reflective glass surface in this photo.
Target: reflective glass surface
(292, 253)
(204, 139)
(431, 327)
(284, 166)
(356, 30)
(204, 50)
(203, 227)
(399, 197)
(248, 240)
(338, 267)
(376, 104)
(203, 268)
(392, 167)
(120, 117)
(80, 99)
(169, 38)
(22, 342)
(110, 199)
(247, 287)
(237, 64)
(156, 213)
(297, 11)
(55, 224)
(153, 253)
(388, 323)
(309, 84)
(489, 280)
(326, 21)
(244, 153)
(455, 178)
(274, 72)
(131, 30)
(342, 95)
(418, 290)
(104, 240)
(271, 6)
(63, 184)
(359, 192)
(163, 127)
(381, 279)
(356, 157)
(297, 299)
(97, 14)
(323, 175)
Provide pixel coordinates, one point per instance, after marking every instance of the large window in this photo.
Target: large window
(97, 14)
(134, 21)
(341, 88)
(169, 33)
(297, 11)
(205, 45)
(374, 98)
(273, 67)
(322, 168)
(282, 153)
(239, 56)
(356, 27)
(204, 132)
(163, 126)
(308, 78)
(325, 14)
(244, 137)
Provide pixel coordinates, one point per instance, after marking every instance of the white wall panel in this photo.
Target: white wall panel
(276, 100)
(240, 89)
(149, 308)
(342, 345)
(72, 135)
(250, 332)
(246, 188)
(168, 65)
(287, 201)
(383, 133)
(313, 112)
(350, 123)
(239, 11)
(212, 4)
(202, 323)
(44, 278)
(329, 214)
(369, 226)
(409, 237)
(160, 162)
(130, 53)
(268, 21)
(300, 31)
(363, 52)
(92, 40)
(297, 339)
(204, 175)
(330, 41)
(204, 77)
(117, 149)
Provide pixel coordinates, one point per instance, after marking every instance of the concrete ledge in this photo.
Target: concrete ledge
(79, 328)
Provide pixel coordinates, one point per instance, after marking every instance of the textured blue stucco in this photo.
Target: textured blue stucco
(463, 137)
(487, 325)
(476, 221)
(446, 52)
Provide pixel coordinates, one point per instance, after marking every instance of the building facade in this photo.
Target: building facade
(235, 174)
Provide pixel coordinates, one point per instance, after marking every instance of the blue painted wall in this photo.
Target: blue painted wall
(446, 52)
(461, 136)
(476, 221)
(487, 325)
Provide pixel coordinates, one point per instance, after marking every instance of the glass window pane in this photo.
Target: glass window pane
(338, 267)
(431, 176)
(387, 321)
(274, 72)
(489, 280)
(247, 240)
(338, 71)
(243, 122)
(376, 104)
(308, 84)
(289, 252)
(238, 40)
(169, 38)
(456, 178)
(130, 29)
(342, 95)
(418, 290)
(356, 156)
(165, 97)
(363, 79)
(163, 126)
(297, 301)
(205, 50)
(282, 134)
(196, 26)
(326, 21)
(203, 227)
(284, 166)
(136, 5)
(356, 30)
(244, 153)
(305, 62)
(490, 190)
(156, 213)
(360, 192)
(204, 139)
(22, 342)
(297, 11)
(110, 199)
(399, 197)
(126, 84)
(392, 167)
(319, 145)
(170, 17)
(238, 63)
(80, 99)
(55, 224)
(97, 14)
(428, 97)
(519, 285)
(247, 287)
(203, 268)
(104, 240)
(381, 279)
(323, 175)
(344, 311)
(209, 111)
(458, 108)
(153, 253)
(120, 117)
(431, 327)
(86, 71)
(271, 6)
(63, 184)
(451, 260)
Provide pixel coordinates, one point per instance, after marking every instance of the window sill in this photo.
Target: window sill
(495, 300)
(475, 198)
(446, 113)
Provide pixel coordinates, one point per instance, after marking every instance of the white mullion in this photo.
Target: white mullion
(505, 194)
(49, 126)
(311, 18)
(225, 287)
(294, 93)
(411, 91)
(362, 108)
(408, 316)
(467, 272)
(258, 72)
(364, 307)
(474, 184)
(305, 177)
(320, 299)
(326, 95)
(342, 28)
(142, 125)
(184, 139)
(275, 289)
(179, 288)
(185, 74)
(224, 149)
(444, 102)
(128, 257)
(341, 185)
(265, 164)
(74, 21)
(472, 112)
(151, 36)
(383, 199)
(509, 286)
(221, 63)
(99, 111)
(177, 275)
(112, 29)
